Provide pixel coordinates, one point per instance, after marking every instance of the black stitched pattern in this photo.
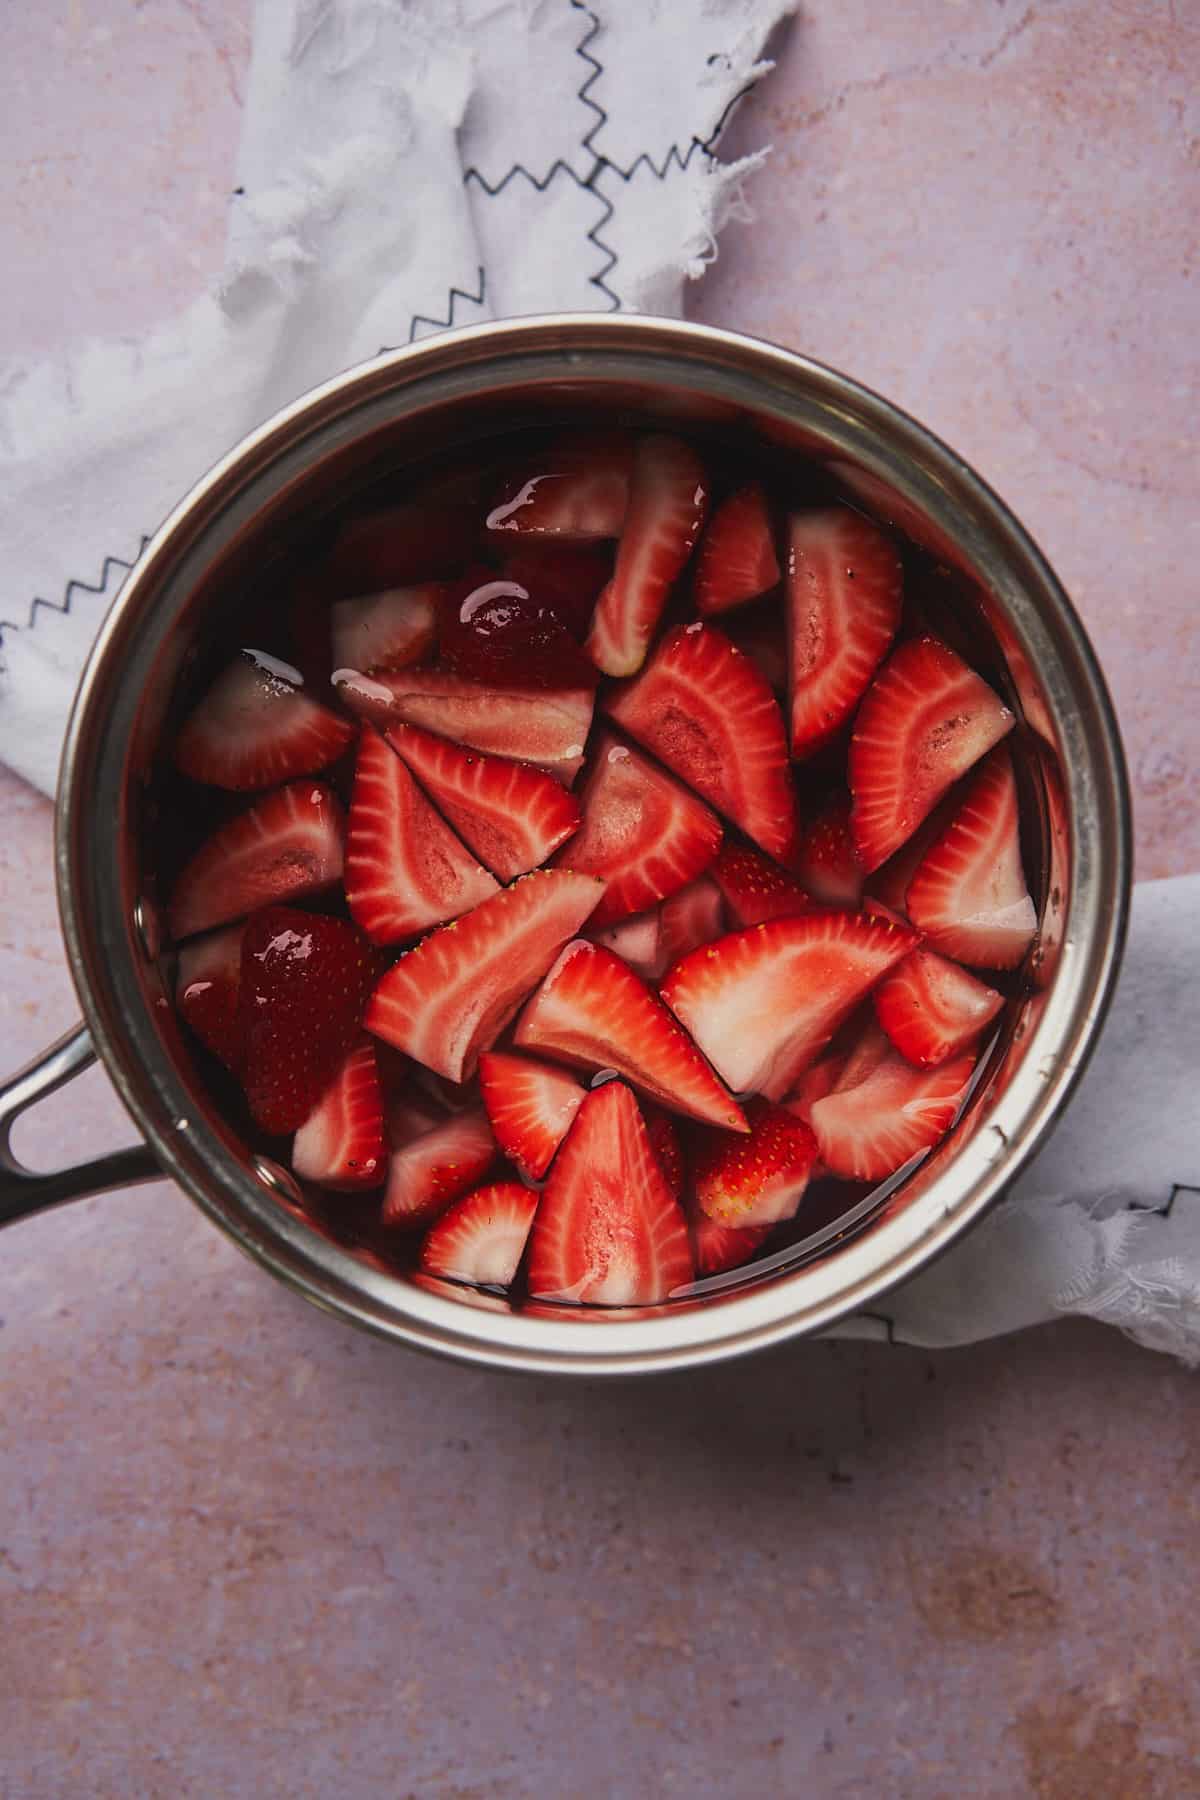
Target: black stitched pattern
(73, 586)
(1164, 1211)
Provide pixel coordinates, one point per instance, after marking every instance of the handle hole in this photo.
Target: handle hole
(82, 1121)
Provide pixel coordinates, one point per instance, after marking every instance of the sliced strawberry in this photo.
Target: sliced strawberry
(576, 489)
(818, 1080)
(826, 861)
(763, 1003)
(432, 534)
(405, 869)
(544, 726)
(380, 633)
(667, 502)
(924, 721)
(736, 559)
(593, 1012)
(509, 813)
(304, 983)
(255, 727)
(969, 896)
(562, 576)
(642, 831)
(494, 629)
(340, 1144)
(206, 992)
(430, 1171)
(760, 1179)
(759, 635)
(693, 916)
(931, 1009)
(717, 1248)
(287, 845)
(754, 888)
(481, 1238)
(704, 710)
(668, 1151)
(637, 940)
(608, 1229)
(530, 1105)
(884, 1111)
(889, 883)
(844, 597)
(452, 996)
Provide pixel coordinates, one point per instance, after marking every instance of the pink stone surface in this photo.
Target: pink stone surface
(246, 1551)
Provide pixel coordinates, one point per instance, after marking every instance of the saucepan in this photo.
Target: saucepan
(224, 539)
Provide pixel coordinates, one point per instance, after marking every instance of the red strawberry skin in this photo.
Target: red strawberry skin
(510, 814)
(481, 1238)
(431, 1170)
(608, 1230)
(304, 982)
(288, 845)
(207, 984)
(754, 889)
(704, 710)
(256, 727)
(451, 996)
(693, 916)
(719, 1248)
(530, 1105)
(341, 1145)
(826, 862)
(405, 869)
(757, 1180)
(844, 599)
(931, 1009)
(667, 503)
(495, 629)
(736, 560)
(642, 832)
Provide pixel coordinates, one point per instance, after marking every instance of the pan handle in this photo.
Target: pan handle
(22, 1191)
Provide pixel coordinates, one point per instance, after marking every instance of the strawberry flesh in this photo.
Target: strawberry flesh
(760, 1179)
(207, 982)
(451, 996)
(931, 1009)
(736, 560)
(763, 1003)
(510, 814)
(667, 503)
(608, 1230)
(925, 720)
(706, 712)
(341, 1145)
(286, 846)
(481, 1238)
(844, 598)
(531, 1106)
(380, 633)
(255, 727)
(428, 1172)
(969, 895)
(642, 831)
(593, 1012)
(576, 490)
(651, 941)
(405, 869)
(305, 978)
(883, 1111)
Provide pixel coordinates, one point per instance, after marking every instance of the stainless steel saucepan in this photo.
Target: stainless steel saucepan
(223, 539)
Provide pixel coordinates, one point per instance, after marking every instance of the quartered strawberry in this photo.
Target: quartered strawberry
(430, 535)
(544, 726)
(889, 883)
(760, 1179)
(763, 1003)
(380, 633)
(969, 896)
(304, 983)
(452, 995)
(563, 576)
(705, 710)
(818, 1080)
(755, 889)
(693, 916)
(637, 940)
(667, 501)
(925, 720)
(530, 1105)
(206, 992)
(718, 1248)
(340, 1145)
(287, 845)
(758, 633)
(608, 1230)
(431, 1170)
(592, 1011)
(884, 1111)
(844, 595)
(492, 628)
(481, 1238)
(576, 489)
(642, 831)
(405, 869)
(255, 727)
(510, 814)
(931, 1009)
(736, 559)
(668, 1151)
(826, 861)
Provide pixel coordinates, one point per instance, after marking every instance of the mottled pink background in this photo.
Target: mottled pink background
(245, 1551)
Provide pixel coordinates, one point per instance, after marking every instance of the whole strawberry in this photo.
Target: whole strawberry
(304, 984)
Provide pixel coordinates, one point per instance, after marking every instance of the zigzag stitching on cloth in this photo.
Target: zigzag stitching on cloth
(75, 585)
(455, 294)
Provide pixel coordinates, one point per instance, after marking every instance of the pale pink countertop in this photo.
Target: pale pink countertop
(246, 1551)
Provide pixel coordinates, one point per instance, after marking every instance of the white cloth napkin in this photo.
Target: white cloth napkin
(406, 167)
